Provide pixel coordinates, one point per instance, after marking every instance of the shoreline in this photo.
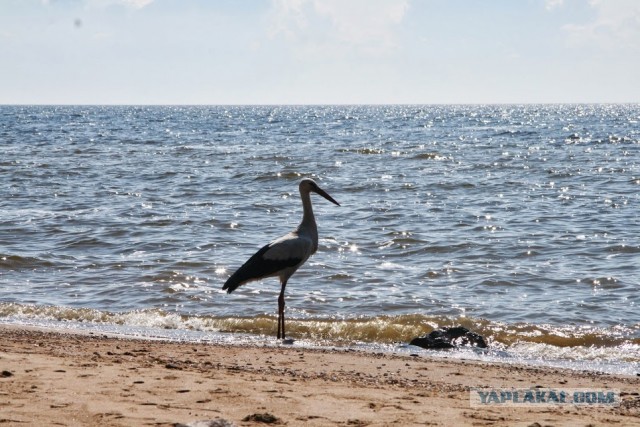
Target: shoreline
(67, 378)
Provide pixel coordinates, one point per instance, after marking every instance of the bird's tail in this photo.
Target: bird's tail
(243, 275)
(232, 283)
(255, 268)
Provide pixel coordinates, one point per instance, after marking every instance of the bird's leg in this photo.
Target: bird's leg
(281, 311)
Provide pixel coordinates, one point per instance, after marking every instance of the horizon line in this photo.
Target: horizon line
(307, 104)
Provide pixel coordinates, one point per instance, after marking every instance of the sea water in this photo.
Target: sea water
(520, 222)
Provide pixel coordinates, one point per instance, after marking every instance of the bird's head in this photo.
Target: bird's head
(308, 185)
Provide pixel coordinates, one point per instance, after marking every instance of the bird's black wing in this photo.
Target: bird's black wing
(258, 267)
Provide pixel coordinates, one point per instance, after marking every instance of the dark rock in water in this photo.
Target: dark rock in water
(450, 338)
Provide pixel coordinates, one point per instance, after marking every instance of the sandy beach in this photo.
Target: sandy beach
(52, 378)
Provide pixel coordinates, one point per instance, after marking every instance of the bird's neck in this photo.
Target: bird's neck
(308, 220)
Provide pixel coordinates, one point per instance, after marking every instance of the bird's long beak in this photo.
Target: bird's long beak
(324, 194)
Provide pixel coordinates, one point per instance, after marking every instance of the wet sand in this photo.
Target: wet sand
(65, 379)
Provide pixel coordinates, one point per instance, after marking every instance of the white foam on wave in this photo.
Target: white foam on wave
(622, 358)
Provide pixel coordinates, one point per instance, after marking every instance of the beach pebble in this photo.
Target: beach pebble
(262, 418)
(218, 422)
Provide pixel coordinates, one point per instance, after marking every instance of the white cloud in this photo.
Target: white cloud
(552, 4)
(132, 4)
(368, 26)
(616, 25)
(287, 17)
(136, 4)
(361, 22)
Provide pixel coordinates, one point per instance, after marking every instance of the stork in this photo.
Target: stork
(283, 256)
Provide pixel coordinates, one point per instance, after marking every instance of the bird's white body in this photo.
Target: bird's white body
(283, 256)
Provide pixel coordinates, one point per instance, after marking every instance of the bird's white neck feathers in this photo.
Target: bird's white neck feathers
(308, 225)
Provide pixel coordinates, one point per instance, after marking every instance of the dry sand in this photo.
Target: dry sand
(49, 378)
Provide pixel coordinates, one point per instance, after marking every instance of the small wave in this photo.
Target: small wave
(38, 312)
(83, 243)
(497, 283)
(404, 241)
(615, 139)
(340, 277)
(428, 156)
(279, 175)
(516, 133)
(623, 249)
(379, 329)
(363, 150)
(173, 277)
(16, 262)
(603, 282)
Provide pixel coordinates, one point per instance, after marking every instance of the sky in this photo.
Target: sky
(319, 51)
